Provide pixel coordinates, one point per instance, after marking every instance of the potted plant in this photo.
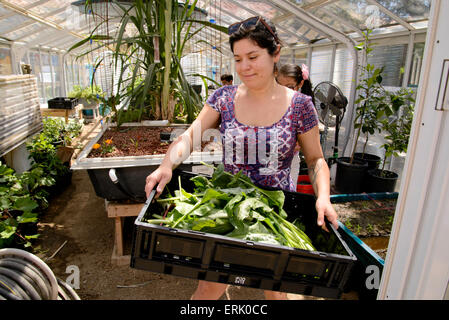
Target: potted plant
(151, 87)
(87, 96)
(397, 125)
(351, 170)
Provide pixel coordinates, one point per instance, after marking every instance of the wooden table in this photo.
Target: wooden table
(47, 112)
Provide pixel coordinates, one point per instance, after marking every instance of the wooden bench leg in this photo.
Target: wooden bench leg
(119, 236)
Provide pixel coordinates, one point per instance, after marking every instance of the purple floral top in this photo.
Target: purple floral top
(263, 153)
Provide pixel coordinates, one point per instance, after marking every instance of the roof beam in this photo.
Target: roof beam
(37, 18)
(30, 6)
(317, 4)
(30, 22)
(401, 21)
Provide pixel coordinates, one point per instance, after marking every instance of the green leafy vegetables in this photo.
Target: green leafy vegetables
(233, 206)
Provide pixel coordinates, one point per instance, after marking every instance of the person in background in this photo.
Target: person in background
(258, 112)
(227, 79)
(296, 78)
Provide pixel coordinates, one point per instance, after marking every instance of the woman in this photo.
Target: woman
(259, 112)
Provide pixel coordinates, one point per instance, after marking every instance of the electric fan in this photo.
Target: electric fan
(330, 104)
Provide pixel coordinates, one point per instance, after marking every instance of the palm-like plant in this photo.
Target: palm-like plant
(147, 50)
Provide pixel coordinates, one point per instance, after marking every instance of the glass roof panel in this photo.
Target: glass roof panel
(359, 13)
(344, 15)
(411, 10)
(4, 11)
(45, 34)
(333, 20)
(262, 8)
(20, 33)
(52, 5)
(11, 22)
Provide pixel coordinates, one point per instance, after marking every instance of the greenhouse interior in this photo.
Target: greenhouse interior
(84, 84)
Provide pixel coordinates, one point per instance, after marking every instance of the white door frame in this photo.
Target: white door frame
(417, 262)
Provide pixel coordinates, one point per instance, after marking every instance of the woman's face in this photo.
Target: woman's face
(253, 64)
(288, 82)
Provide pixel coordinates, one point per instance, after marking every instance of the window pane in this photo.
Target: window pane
(5, 60)
(321, 65)
(415, 70)
(35, 61)
(57, 74)
(343, 70)
(392, 58)
(46, 76)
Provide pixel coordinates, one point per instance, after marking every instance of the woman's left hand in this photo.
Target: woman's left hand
(324, 208)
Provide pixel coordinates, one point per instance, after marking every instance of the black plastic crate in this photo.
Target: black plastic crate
(62, 103)
(217, 258)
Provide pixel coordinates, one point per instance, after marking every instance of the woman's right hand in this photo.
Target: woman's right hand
(160, 177)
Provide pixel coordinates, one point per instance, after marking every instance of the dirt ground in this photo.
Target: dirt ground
(75, 231)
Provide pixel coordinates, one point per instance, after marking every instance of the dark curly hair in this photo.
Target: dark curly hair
(259, 34)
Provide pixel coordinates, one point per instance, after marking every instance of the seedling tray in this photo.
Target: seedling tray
(217, 258)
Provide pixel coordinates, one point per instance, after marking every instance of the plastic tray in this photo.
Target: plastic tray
(222, 259)
(62, 103)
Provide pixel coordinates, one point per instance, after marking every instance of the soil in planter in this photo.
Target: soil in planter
(139, 141)
(371, 221)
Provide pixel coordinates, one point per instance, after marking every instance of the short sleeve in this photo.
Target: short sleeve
(304, 113)
(215, 100)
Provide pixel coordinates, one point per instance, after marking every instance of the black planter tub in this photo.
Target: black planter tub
(123, 178)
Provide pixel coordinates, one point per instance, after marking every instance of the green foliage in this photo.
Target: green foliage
(397, 123)
(232, 205)
(371, 100)
(20, 196)
(91, 93)
(24, 196)
(150, 74)
(56, 131)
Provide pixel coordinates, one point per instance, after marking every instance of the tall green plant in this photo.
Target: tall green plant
(147, 49)
(371, 99)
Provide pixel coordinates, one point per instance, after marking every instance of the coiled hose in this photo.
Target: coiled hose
(24, 276)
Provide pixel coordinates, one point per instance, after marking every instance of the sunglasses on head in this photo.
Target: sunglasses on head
(251, 22)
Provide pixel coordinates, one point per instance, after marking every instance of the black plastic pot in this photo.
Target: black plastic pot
(349, 176)
(378, 182)
(372, 159)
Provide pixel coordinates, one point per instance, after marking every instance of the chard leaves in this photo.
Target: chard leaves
(232, 205)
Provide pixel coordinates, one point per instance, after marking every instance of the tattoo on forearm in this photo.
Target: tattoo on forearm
(313, 172)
